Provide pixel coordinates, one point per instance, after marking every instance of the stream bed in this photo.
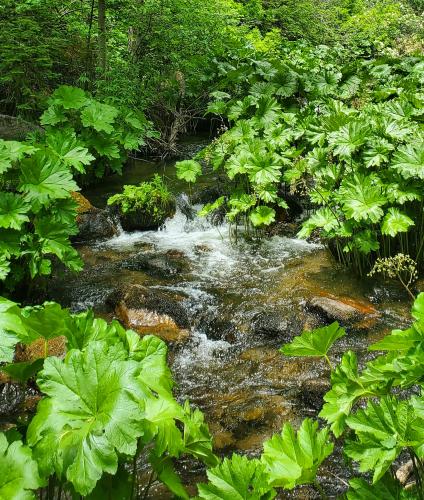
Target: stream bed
(242, 301)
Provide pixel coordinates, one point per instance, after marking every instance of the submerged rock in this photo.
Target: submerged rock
(275, 325)
(161, 266)
(12, 397)
(346, 311)
(93, 223)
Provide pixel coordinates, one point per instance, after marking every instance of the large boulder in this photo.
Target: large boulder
(93, 223)
(150, 312)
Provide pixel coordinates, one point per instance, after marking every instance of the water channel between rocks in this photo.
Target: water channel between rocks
(242, 302)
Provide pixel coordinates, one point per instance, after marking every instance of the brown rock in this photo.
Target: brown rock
(345, 310)
(140, 298)
(148, 322)
(37, 349)
(404, 472)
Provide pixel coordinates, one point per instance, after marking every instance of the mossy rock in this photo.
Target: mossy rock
(140, 220)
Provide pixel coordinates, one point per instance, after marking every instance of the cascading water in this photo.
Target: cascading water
(243, 301)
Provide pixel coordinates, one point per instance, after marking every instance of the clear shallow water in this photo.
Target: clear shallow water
(243, 302)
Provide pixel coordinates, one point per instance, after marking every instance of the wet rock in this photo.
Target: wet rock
(184, 205)
(344, 310)
(312, 393)
(151, 323)
(221, 438)
(288, 229)
(160, 266)
(12, 397)
(275, 325)
(151, 311)
(405, 471)
(16, 129)
(140, 220)
(93, 223)
(208, 194)
(217, 327)
(202, 248)
(83, 205)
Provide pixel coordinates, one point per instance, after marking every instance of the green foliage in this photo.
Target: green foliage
(107, 402)
(19, 472)
(292, 459)
(384, 426)
(92, 130)
(37, 213)
(237, 477)
(188, 170)
(152, 199)
(382, 431)
(387, 488)
(316, 343)
(89, 393)
(350, 140)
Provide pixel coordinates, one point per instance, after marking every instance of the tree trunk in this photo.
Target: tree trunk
(102, 35)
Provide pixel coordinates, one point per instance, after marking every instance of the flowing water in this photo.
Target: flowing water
(244, 301)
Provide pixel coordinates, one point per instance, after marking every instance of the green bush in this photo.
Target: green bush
(151, 200)
(37, 212)
(346, 133)
(105, 407)
(108, 132)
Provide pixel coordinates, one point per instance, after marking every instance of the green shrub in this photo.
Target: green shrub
(152, 199)
(350, 137)
(37, 212)
(105, 407)
(107, 132)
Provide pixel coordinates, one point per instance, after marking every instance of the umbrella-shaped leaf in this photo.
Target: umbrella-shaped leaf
(346, 388)
(362, 199)
(69, 150)
(262, 216)
(90, 414)
(188, 170)
(18, 471)
(99, 116)
(396, 222)
(237, 478)
(69, 97)
(409, 161)
(314, 343)
(11, 151)
(44, 179)
(54, 239)
(12, 329)
(13, 211)
(383, 430)
(292, 459)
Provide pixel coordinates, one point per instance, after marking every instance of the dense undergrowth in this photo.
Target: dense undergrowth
(346, 136)
(108, 404)
(337, 126)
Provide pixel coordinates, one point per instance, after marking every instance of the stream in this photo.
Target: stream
(243, 301)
